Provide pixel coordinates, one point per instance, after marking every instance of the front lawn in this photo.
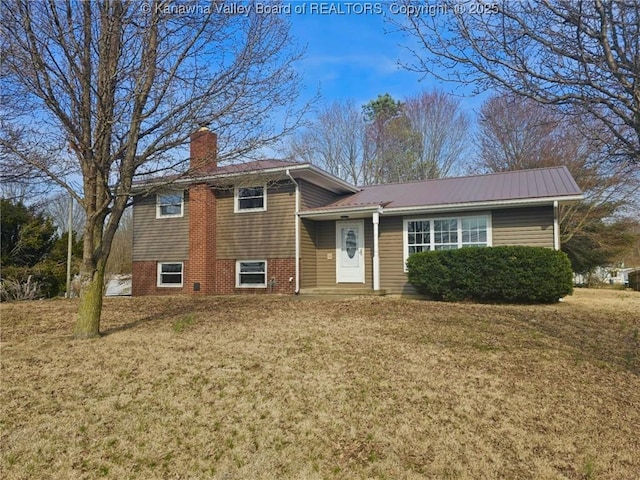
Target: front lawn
(279, 387)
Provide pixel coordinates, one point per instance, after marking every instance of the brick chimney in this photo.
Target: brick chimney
(204, 151)
(201, 275)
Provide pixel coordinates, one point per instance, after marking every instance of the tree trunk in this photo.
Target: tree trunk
(91, 294)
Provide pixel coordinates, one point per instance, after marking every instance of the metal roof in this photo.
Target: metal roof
(271, 167)
(540, 183)
(252, 166)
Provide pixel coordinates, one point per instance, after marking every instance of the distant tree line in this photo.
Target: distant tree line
(33, 253)
(34, 244)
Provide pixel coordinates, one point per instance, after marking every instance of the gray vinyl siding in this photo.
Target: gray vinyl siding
(313, 196)
(531, 226)
(257, 235)
(326, 256)
(159, 239)
(308, 266)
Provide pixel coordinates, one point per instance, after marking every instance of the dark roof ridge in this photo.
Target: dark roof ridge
(462, 176)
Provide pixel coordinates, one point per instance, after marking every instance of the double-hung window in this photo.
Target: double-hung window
(445, 234)
(170, 204)
(250, 199)
(424, 234)
(418, 236)
(474, 231)
(251, 274)
(170, 274)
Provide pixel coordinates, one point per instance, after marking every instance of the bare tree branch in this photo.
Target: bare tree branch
(117, 85)
(580, 55)
(517, 133)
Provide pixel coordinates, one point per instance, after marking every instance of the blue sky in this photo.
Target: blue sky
(356, 57)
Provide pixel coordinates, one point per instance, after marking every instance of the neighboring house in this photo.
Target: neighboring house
(612, 275)
(285, 227)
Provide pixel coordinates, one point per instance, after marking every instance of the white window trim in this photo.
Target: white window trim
(458, 218)
(175, 215)
(169, 285)
(236, 200)
(253, 285)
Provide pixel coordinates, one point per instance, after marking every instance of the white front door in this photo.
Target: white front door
(350, 252)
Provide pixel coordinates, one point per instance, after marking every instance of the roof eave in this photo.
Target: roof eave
(334, 212)
(330, 180)
(453, 207)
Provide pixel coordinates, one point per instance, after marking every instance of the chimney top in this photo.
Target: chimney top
(203, 151)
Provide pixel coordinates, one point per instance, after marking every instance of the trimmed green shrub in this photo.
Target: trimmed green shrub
(512, 274)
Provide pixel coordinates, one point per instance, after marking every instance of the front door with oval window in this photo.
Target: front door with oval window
(350, 252)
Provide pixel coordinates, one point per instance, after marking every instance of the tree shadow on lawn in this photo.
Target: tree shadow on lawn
(165, 313)
(167, 308)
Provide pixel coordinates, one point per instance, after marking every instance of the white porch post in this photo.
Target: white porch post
(376, 257)
(556, 226)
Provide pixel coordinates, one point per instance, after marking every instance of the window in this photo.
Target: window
(251, 274)
(474, 232)
(250, 199)
(445, 233)
(419, 237)
(170, 274)
(169, 204)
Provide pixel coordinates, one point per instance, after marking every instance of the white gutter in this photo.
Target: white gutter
(376, 253)
(556, 226)
(297, 232)
(452, 207)
(479, 205)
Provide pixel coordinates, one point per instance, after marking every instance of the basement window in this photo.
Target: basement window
(169, 204)
(250, 199)
(170, 274)
(251, 274)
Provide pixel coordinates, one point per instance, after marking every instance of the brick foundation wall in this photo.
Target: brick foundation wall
(145, 278)
(280, 269)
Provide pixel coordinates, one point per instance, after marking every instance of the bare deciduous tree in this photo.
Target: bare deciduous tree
(115, 86)
(121, 258)
(57, 209)
(517, 133)
(444, 130)
(581, 55)
(334, 141)
(386, 140)
(20, 181)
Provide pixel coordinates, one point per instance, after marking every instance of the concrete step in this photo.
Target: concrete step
(342, 292)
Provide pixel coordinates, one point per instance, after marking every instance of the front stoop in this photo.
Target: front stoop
(342, 292)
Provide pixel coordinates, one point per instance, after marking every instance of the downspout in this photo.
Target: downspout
(297, 232)
(376, 254)
(556, 226)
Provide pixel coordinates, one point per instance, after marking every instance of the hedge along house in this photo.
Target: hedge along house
(274, 226)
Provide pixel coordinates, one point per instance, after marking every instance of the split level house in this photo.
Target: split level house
(274, 226)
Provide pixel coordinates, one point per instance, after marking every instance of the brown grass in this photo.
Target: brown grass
(276, 387)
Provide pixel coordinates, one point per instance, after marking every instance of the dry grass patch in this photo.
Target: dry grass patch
(276, 387)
